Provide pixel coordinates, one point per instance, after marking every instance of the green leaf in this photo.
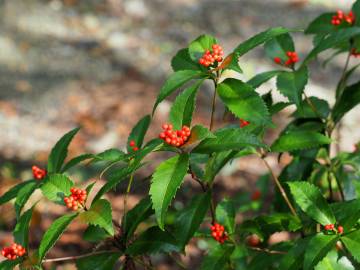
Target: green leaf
(279, 46)
(352, 243)
(292, 84)
(295, 257)
(317, 249)
(217, 258)
(297, 140)
(348, 100)
(105, 261)
(59, 152)
(75, 161)
(228, 139)
(198, 133)
(9, 264)
(331, 41)
(12, 192)
(176, 80)
(23, 195)
(99, 214)
(347, 213)
(182, 61)
(261, 78)
(112, 155)
(114, 179)
(260, 39)
(135, 216)
(152, 241)
(306, 111)
(166, 179)
(216, 162)
(321, 25)
(333, 262)
(53, 234)
(21, 231)
(95, 234)
(56, 187)
(356, 9)
(200, 45)
(190, 218)
(244, 102)
(311, 201)
(138, 132)
(225, 215)
(183, 107)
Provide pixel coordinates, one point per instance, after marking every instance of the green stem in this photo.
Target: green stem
(126, 197)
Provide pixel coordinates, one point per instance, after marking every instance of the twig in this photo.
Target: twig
(268, 250)
(126, 197)
(70, 258)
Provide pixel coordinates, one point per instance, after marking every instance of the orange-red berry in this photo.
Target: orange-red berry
(175, 138)
(209, 58)
(76, 199)
(132, 143)
(38, 173)
(14, 251)
(218, 233)
(244, 123)
(277, 60)
(340, 229)
(340, 16)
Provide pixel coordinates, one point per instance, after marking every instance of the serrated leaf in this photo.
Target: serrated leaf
(216, 162)
(244, 102)
(292, 84)
(225, 215)
(332, 261)
(298, 140)
(95, 234)
(295, 257)
(99, 214)
(352, 243)
(217, 257)
(75, 161)
(112, 155)
(200, 45)
(54, 232)
(176, 80)
(356, 9)
(182, 61)
(190, 218)
(261, 78)
(138, 132)
(279, 46)
(21, 231)
(348, 100)
(23, 195)
(59, 152)
(318, 247)
(56, 187)
(199, 133)
(347, 213)
(322, 108)
(165, 181)
(9, 264)
(12, 192)
(311, 201)
(228, 139)
(153, 241)
(105, 261)
(321, 25)
(183, 107)
(135, 216)
(231, 62)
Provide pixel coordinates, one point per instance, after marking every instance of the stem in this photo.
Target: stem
(213, 103)
(268, 250)
(126, 197)
(281, 189)
(76, 257)
(339, 187)
(343, 75)
(330, 186)
(312, 106)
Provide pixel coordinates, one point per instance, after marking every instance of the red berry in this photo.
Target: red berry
(243, 123)
(256, 195)
(38, 173)
(340, 229)
(253, 240)
(132, 143)
(135, 149)
(277, 60)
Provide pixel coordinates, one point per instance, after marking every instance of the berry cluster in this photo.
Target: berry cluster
(355, 52)
(341, 16)
(209, 58)
(175, 137)
(292, 59)
(38, 173)
(244, 123)
(218, 233)
(256, 195)
(77, 197)
(14, 251)
(133, 145)
(331, 227)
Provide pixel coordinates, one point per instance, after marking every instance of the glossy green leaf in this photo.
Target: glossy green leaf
(228, 139)
(311, 201)
(295, 257)
(166, 179)
(99, 214)
(216, 162)
(348, 100)
(176, 80)
(183, 107)
(298, 140)
(21, 231)
(12, 192)
(111, 155)
(352, 243)
(95, 234)
(347, 213)
(292, 84)
(225, 215)
(153, 241)
(105, 261)
(332, 261)
(190, 218)
(59, 152)
(198, 134)
(182, 61)
(261, 78)
(75, 161)
(244, 102)
(53, 233)
(200, 45)
(138, 132)
(217, 258)
(318, 247)
(23, 196)
(56, 187)
(9, 264)
(321, 24)
(279, 46)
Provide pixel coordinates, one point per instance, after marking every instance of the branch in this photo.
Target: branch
(268, 250)
(70, 258)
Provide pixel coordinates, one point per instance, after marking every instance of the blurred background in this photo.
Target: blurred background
(99, 64)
